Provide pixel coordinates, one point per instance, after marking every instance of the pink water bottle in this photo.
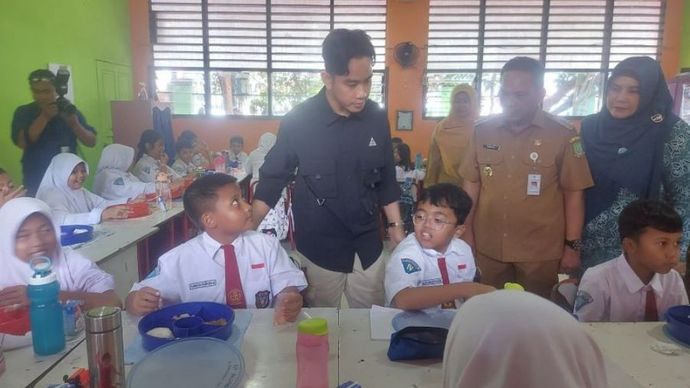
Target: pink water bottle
(219, 163)
(312, 353)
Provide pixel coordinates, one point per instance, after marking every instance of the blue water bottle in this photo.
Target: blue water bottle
(45, 311)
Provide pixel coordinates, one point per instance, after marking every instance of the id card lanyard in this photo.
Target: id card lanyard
(534, 177)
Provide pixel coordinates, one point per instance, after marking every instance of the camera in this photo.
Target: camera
(63, 104)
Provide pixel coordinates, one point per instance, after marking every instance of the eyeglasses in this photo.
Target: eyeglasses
(39, 79)
(435, 223)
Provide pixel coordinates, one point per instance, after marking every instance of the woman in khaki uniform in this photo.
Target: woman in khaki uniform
(451, 136)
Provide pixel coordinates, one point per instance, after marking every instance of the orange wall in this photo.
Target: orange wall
(406, 22)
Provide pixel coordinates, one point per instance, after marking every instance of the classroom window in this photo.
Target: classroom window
(252, 57)
(579, 42)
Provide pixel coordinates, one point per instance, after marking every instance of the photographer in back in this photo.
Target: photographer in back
(47, 126)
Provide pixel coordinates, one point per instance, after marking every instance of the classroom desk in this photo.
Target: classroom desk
(629, 361)
(269, 352)
(269, 355)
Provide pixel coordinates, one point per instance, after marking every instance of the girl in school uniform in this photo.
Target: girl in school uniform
(407, 176)
(519, 340)
(62, 188)
(113, 179)
(202, 156)
(29, 231)
(151, 158)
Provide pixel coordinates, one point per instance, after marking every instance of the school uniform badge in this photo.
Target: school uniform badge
(410, 266)
(262, 299)
(576, 144)
(582, 299)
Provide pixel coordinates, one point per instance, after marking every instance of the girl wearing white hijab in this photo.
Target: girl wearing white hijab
(519, 340)
(276, 221)
(256, 157)
(113, 179)
(62, 189)
(28, 231)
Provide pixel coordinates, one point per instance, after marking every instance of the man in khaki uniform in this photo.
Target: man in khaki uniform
(525, 171)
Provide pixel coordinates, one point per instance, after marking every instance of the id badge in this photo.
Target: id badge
(534, 184)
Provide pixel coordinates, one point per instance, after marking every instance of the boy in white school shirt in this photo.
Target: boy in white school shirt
(227, 263)
(641, 284)
(433, 267)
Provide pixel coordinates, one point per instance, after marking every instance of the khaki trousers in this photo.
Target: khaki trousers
(362, 288)
(537, 277)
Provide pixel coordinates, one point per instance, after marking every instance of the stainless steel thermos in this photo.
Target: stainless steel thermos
(104, 347)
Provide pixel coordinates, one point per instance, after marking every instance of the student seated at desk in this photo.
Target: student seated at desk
(113, 179)
(433, 267)
(202, 156)
(227, 263)
(151, 157)
(184, 153)
(641, 284)
(7, 189)
(27, 231)
(513, 339)
(62, 188)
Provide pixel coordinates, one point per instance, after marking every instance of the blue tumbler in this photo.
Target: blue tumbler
(45, 311)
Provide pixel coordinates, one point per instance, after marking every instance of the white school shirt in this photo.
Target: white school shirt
(147, 168)
(181, 168)
(112, 180)
(195, 271)
(416, 175)
(69, 206)
(612, 292)
(411, 265)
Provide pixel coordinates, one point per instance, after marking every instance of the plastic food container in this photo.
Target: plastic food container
(75, 234)
(678, 323)
(192, 362)
(193, 319)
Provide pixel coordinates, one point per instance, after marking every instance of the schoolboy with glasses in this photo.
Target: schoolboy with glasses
(433, 268)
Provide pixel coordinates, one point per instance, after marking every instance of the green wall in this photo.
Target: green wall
(34, 33)
(685, 37)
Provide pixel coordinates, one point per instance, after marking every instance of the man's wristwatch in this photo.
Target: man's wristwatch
(575, 245)
(394, 224)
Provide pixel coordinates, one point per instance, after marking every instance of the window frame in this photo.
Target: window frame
(603, 70)
(206, 69)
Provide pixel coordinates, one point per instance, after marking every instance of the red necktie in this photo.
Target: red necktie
(650, 312)
(444, 276)
(234, 295)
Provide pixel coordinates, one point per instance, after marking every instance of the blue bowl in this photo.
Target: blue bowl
(207, 311)
(75, 234)
(678, 323)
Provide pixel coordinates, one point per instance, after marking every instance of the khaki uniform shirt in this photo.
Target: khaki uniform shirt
(509, 224)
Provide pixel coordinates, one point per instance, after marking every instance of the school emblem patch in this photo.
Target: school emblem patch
(119, 182)
(262, 299)
(582, 299)
(410, 266)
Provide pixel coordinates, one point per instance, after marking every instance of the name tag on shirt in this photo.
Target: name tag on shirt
(534, 184)
(258, 266)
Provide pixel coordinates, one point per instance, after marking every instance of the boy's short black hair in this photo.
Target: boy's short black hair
(41, 75)
(526, 64)
(187, 135)
(448, 195)
(183, 143)
(341, 45)
(396, 140)
(201, 196)
(647, 213)
(237, 140)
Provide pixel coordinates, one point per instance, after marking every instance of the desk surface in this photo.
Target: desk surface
(268, 351)
(269, 354)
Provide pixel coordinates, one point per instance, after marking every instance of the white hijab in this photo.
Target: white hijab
(256, 157)
(519, 340)
(114, 164)
(54, 184)
(15, 271)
